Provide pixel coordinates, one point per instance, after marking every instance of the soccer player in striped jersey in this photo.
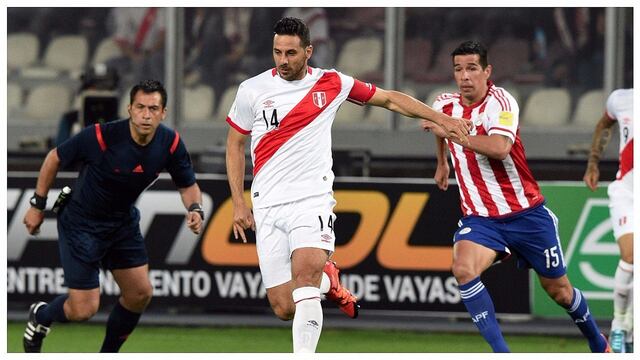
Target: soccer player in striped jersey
(619, 109)
(503, 209)
(288, 112)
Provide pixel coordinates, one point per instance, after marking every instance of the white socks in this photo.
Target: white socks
(622, 297)
(307, 322)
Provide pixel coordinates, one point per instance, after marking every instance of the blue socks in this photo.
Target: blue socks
(479, 304)
(120, 324)
(53, 312)
(579, 312)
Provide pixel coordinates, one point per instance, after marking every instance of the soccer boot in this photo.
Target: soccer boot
(616, 340)
(339, 294)
(607, 348)
(34, 333)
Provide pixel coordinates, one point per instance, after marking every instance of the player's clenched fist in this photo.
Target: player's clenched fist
(32, 220)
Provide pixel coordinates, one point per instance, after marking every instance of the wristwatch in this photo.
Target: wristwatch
(197, 208)
(38, 202)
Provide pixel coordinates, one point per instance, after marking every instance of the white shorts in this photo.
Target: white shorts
(621, 205)
(283, 228)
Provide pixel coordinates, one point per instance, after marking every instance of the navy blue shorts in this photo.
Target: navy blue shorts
(532, 235)
(88, 244)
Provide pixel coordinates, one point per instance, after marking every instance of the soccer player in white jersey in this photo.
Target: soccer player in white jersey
(503, 209)
(619, 109)
(288, 112)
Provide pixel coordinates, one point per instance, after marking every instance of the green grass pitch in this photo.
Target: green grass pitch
(174, 339)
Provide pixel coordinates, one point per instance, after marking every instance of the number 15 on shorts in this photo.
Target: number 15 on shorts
(553, 257)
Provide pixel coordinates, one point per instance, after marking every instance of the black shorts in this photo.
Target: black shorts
(88, 244)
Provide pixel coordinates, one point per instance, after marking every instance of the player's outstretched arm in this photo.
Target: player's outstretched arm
(192, 200)
(242, 216)
(34, 217)
(442, 170)
(601, 137)
(406, 105)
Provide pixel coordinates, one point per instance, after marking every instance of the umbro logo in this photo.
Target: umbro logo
(326, 238)
(268, 103)
(313, 323)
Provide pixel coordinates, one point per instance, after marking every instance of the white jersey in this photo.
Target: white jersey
(620, 108)
(490, 187)
(290, 126)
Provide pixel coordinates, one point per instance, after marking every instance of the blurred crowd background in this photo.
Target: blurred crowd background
(551, 59)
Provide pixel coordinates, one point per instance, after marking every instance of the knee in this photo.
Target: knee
(627, 257)
(308, 278)
(282, 311)
(562, 295)
(138, 299)
(81, 310)
(463, 272)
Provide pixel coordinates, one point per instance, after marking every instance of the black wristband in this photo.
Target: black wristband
(197, 208)
(38, 202)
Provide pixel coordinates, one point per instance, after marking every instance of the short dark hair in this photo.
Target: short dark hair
(148, 87)
(293, 26)
(472, 47)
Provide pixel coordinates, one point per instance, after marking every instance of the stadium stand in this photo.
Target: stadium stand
(199, 103)
(589, 109)
(418, 54)
(509, 56)
(225, 103)
(106, 50)
(350, 115)
(547, 107)
(22, 50)
(65, 54)
(360, 56)
(14, 97)
(47, 102)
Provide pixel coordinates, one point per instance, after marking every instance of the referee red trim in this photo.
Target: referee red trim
(101, 142)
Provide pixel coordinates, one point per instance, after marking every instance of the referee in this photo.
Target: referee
(99, 227)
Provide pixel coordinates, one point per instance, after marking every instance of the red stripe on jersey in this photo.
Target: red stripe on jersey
(500, 173)
(500, 99)
(300, 116)
(274, 72)
(484, 105)
(176, 141)
(361, 92)
(505, 99)
(476, 174)
(503, 129)
(101, 142)
(531, 189)
(466, 199)
(626, 160)
(235, 126)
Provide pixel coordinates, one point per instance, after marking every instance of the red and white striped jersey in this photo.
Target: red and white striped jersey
(490, 187)
(290, 126)
(620, 108)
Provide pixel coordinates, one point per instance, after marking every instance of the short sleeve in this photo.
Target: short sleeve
(79, 148)
(361, 92)
(180, 167)
(241, 114)
(502, 116)
(611, 106)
